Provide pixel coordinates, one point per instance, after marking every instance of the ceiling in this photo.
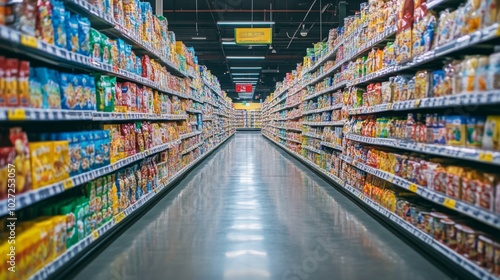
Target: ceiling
(198, 18)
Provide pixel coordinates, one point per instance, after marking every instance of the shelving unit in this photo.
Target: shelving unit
(153, 128)
(353, 121)
(248, 119)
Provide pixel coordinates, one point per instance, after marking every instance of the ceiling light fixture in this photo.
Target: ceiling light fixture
(245, 22)
(270, 47)
(245, 74)
(303, 31)
(237, 78)
(273, 51)
(246, 57)
(245, 68)
(198, 38)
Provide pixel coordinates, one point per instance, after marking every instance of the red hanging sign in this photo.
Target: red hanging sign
(243, 87)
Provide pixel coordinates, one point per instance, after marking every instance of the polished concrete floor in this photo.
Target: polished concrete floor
(250, 211)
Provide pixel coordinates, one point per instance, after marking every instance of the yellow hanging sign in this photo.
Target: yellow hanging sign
(253, 35)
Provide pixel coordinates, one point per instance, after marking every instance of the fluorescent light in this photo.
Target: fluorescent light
(238, 78)
(198, 38)
(245, 68)
(245, 74)
(245, 57)
(245, 22)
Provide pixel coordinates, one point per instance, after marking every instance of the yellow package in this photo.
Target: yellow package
(59, 235)
(61, 161)
(41, 163)
(46, 250)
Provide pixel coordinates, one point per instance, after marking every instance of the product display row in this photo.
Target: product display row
(362, 122)
(248, 119)
(101, 110)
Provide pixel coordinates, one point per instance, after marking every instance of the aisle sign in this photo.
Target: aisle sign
(243, 88)
(253, 35)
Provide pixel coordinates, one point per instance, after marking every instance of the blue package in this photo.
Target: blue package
(81, 102)
(84, 35)
(58, 23)
(72, 32)
(50, 87)
(68, 98)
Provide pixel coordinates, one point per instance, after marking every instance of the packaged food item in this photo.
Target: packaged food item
(61, 160)
(59, 23)
(45, 29)
(475, 131)
(23, 83)
(20, 15)
(41, 163)
(68, 97)
(491, 137)
(455, 130)
(50, 87)
(493, 79)
(83, 35)
(10, 87)
(95, 45)
(37, 99)
(485, 252)
(81, 98)
(18, 143)
(72, 32)
(105, 93)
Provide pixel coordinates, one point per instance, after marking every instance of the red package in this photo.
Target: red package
(11, 76)
(119, 107)
(132, 97)
(22, 163)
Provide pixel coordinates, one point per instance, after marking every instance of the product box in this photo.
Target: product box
(42, 163)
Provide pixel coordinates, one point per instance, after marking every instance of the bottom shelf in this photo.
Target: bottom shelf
(443, 253)
(82, 248)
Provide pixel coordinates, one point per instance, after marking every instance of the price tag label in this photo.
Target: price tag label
(450, 203)
(486, 156)
(413, 188)
(18, 114)
(95, 234)
(29, 41)
(68, 184)
(118, 218)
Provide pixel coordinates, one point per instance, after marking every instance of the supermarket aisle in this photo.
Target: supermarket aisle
(250, 211)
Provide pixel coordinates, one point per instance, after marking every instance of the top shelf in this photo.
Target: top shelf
(106, 24)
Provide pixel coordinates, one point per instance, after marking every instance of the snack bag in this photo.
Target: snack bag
(59, 23)
(21, 15)
(10, 82)
(106, 50)
(37, 99)
(68, 96)
(95, 45)
(61, 161)
(41, 164)
(50, 86)
(87, 92)
(19, 145)
(83, 35)
(455, 130)
(81, 101)
(44, 27)
(72, 32)
(3, 78)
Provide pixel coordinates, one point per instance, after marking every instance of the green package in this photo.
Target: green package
(105, 93)
(95, 45)
(79, 221)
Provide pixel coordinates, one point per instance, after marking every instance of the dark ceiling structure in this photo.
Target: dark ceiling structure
(195, 23)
